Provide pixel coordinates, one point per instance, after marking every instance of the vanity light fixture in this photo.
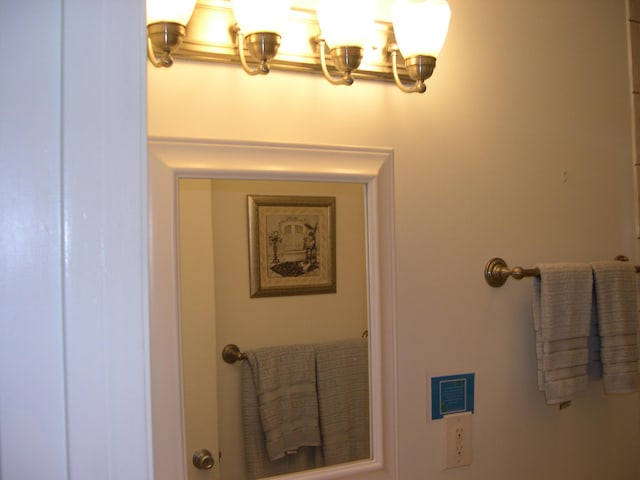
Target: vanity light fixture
(166, 28)
(344, 28)
(259, 25)
(359, 46)
(420, 27)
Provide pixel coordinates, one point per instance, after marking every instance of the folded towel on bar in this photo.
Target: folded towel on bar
(343, 398)
(617, 308)
(285, 382)
(562, 320)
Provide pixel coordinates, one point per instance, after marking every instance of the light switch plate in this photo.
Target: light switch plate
(457, 440)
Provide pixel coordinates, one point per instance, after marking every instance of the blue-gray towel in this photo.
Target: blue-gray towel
(257, 462)
(285, 382)
(617, 308)
(562, 318)
(343, 398)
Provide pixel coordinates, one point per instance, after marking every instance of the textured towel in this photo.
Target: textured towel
(285, 382)
(616, 304)
(343, 398)
(562, 320)
(594, 368)
(257, 461)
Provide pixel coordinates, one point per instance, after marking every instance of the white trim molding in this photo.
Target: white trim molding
(170, 159)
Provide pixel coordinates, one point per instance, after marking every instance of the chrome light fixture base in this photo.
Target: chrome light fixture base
(418, 67)
(164, 38)
(346, 59)
(261, 45)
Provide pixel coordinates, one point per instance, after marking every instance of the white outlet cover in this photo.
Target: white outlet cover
(457, 440)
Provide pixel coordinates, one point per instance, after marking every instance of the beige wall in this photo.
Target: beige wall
(258, 322)
(634, 30)
(521, 148)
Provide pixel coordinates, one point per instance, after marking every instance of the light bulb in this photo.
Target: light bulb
(420, 26)
(253, 16)
(346, 22)
(173, 11)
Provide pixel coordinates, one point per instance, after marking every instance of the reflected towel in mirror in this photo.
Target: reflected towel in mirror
(343, 399)
(299, 386)
(285, 381)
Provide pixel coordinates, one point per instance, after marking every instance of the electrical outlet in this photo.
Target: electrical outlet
(457, 440)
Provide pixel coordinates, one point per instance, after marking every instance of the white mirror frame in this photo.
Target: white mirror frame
(170, 159)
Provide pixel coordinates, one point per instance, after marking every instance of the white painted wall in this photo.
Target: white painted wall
(523, 92)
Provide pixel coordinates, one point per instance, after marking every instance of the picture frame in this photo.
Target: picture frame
(292, 245)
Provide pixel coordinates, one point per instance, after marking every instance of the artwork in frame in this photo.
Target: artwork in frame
(292, 245)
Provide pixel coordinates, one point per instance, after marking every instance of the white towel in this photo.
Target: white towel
(285, 382)
(562, 318)
(617, 308)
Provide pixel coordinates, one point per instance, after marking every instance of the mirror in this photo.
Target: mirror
(170, 160)
(213, 237)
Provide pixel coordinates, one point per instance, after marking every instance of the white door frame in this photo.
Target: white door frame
(104, 237)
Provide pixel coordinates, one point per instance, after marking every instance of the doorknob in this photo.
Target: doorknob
(203, 459)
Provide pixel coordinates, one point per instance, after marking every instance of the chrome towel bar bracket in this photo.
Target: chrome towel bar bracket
(231, 353)
(496, 272)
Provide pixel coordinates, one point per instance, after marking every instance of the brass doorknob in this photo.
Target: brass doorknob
(203, 459)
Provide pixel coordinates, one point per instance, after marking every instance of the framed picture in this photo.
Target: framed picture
(292, 245)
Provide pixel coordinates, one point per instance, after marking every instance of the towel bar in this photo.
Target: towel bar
(496, 271)
(231, 353)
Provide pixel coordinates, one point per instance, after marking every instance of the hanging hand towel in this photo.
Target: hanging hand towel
(285, 382)
(562, 316)
(617, 308)
(256, 459)
(343, 399)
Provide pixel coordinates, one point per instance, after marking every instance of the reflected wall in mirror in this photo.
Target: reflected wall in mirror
(368, 171)
(213, 236)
